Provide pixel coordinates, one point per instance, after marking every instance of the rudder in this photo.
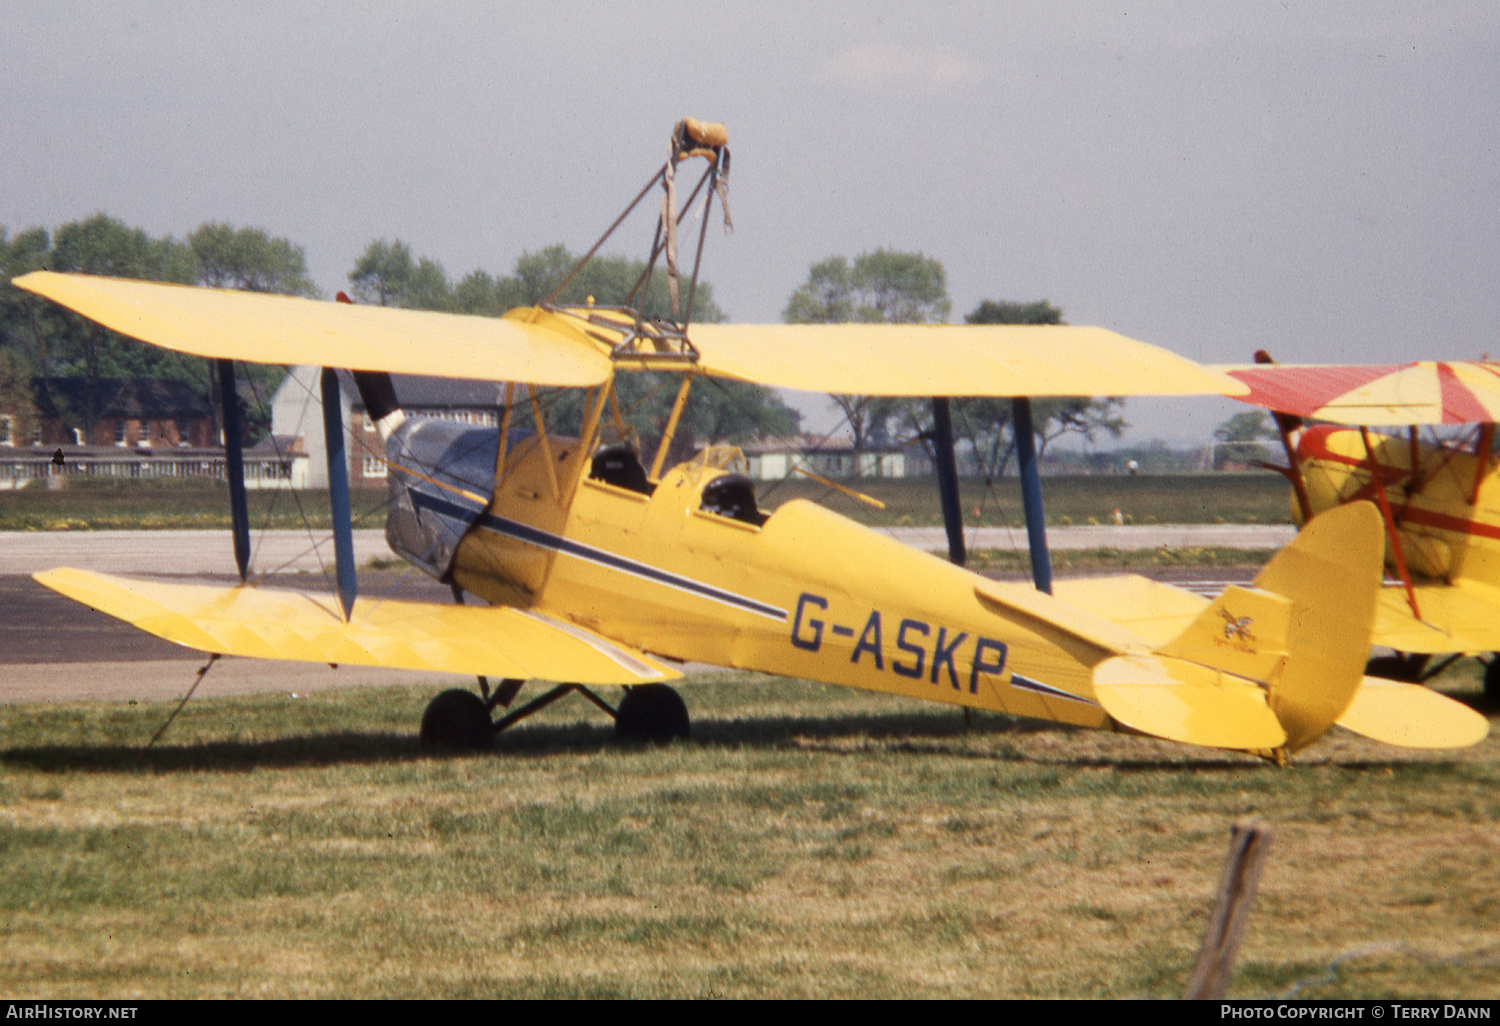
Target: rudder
(1331, 573)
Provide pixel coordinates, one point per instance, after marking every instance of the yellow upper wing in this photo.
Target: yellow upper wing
(266, 623)
(951, 360)
(226, 324)
(574, 348)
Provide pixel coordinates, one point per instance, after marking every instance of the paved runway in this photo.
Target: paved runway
(53, 649)
(210, 552)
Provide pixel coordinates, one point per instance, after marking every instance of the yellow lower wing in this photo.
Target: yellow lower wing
(1459, 617)
(266, 623)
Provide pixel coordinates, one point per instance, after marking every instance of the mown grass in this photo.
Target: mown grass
(126, 504)
(1119, 560)
(1235, 498)
(809, 841)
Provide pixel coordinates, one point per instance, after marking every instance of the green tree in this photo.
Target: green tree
(1239, 439)
(990, 311)
(880, 286)
(103, 245)
(56, 342)
(608, 280)
(900, 288)
(26, 321)
(249, 259)
(481, 293)
(79, 347)
(16, 398)
(386, 275)
(826, 298)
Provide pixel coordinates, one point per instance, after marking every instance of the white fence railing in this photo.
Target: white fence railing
(19, 468)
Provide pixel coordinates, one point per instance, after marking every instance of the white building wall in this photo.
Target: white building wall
(297, 410)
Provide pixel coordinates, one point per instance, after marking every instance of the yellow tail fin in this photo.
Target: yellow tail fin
(1331, 574)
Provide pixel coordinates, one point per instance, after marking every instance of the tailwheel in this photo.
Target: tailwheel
(651, 712)
(457, 720)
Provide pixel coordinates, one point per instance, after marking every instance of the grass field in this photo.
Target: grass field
(808, 842)
(123, 504)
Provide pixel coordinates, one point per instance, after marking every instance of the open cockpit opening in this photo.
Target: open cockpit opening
(733, 496)
(620, 465)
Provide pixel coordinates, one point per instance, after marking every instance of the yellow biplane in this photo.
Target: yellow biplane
(599, 571)
(1439, 497)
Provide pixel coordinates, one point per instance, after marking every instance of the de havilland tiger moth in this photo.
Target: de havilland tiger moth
(599, 570)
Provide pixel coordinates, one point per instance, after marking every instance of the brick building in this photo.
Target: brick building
(125, 412)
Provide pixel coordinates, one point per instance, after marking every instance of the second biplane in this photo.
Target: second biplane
(1439, 496)
(600, 571)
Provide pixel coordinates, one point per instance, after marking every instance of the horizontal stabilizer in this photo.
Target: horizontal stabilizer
(1157, 612)
(1186, 702)
(1269, 667)
(268, 623)
(1412, 716)
(1087, 636)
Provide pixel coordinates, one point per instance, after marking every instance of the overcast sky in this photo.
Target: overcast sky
(1321, 180)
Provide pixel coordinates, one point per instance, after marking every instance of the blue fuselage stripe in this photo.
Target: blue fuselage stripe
(1037, 687)
(546, 540)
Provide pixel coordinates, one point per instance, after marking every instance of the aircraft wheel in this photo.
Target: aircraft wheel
(457, 720)
(1492, 680)
(651, 712)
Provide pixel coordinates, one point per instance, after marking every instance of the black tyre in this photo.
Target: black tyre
(457, 720)
(651, 712)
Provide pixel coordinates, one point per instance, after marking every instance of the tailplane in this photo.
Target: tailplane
(1267, 668)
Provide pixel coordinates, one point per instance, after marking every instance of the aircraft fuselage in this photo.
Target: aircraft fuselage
(1444, 503)
(689, 569)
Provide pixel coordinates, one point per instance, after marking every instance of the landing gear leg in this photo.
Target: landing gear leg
(651, 712)
(460, 720)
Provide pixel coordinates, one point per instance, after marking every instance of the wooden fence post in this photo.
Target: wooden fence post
(1249, 844)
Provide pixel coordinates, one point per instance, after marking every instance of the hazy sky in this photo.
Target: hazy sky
(1322, 180)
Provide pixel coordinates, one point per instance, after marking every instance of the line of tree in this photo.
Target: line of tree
(40, 338)
(885, 286)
